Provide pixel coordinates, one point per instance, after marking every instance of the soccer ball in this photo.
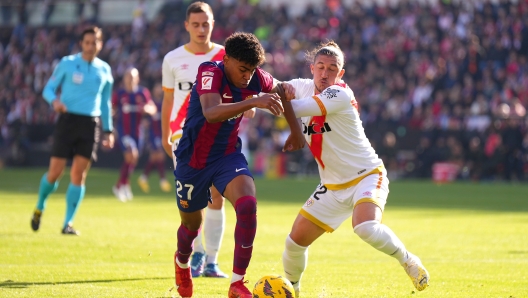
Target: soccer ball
(274, 286)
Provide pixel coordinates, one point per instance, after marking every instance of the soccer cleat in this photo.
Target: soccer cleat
(119, 193)
(239, 290)
(127, 190)
(184, 283)
(165, 185)
(69, 230)
(212, 270)
(143, 183)
(417, 272)
(197, 264)
(35, 220)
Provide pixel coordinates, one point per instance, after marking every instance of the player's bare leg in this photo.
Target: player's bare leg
(366, 221)
(122, 189)
(48, 184)
(295, 255)
(241, 193)
(189, 229)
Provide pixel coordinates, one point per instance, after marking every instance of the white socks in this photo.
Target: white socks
(213, 232)
(294, 260)
(382, 238)
(236, 277)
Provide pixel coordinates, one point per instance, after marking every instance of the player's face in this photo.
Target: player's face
(326, 72)
(91, 45)
(238, 73)
(200, 26)
(131, 79)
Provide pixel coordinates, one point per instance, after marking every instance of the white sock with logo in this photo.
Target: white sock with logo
(382, 238)
(197, 244)
(294, 260)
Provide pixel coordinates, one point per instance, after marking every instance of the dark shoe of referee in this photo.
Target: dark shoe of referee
(84, 106)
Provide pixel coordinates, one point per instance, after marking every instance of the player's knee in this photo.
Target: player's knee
(367, 229)
(246, 206)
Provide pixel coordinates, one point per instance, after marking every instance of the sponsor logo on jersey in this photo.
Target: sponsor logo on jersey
(233, 118)
(367, 194)
(184, 66)
(315, 128)
(185, 86)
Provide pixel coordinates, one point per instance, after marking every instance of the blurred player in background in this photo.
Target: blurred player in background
(156, 154)
(180, 68)
(353, 179)
(86, 84)
(209, 152)
(130, 104)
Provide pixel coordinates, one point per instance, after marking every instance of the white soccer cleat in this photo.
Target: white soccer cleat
(119, 193)
(127, 190)
(417, 272)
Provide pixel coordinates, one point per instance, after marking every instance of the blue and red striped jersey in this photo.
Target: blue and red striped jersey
(128, 107)
(202, 142)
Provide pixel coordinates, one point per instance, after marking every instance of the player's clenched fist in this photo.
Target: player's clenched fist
(271, 102)
(58, 106)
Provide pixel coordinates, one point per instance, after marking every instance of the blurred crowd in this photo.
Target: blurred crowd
(436, 83)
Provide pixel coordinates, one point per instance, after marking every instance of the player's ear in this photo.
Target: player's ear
(311, 68)
(341, 73)
(225, 59)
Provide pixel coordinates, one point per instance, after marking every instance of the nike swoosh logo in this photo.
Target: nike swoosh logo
(238, 170)
(226, 96)
(246, 246)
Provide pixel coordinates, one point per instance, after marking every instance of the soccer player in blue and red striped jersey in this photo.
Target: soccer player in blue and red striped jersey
(130, 104)
(209, 152)
(156, 153)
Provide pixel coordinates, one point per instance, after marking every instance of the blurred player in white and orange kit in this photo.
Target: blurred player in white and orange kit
(353, 179)
(179, 71)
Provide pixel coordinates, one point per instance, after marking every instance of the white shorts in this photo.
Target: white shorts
(329, 208)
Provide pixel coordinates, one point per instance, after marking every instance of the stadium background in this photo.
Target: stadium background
(437, 81)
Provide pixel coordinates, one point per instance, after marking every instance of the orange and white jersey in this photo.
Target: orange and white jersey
(335, 134)
(179, 70)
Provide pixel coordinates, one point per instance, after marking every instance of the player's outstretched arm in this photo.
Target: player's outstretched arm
(166, 107)
(215, 111)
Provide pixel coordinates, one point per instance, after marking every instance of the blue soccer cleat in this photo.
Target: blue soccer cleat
(212, 270)
(197, 264)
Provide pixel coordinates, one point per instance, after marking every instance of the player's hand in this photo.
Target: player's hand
(150, 109)
(108, 140)
(289, 91)
(294, 142)
(58, 106)
(250, 113)
(271, 102)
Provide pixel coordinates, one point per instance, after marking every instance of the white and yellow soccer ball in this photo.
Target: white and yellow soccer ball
(273, 286)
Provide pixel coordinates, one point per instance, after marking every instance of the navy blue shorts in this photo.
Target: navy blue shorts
(192, 186)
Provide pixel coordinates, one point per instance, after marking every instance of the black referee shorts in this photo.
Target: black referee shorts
(76, 135)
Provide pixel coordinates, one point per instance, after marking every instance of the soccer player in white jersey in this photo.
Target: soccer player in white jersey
(353, 179)
(179, 71)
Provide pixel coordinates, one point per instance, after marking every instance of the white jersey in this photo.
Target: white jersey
(179, 70)
(334, 133)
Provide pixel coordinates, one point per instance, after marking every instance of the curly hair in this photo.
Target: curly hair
(329, 48)
(245, 47)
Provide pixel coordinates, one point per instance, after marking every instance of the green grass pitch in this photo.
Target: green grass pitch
(473, 238)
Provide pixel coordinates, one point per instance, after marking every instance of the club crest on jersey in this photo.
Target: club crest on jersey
(207, 82)
(309, 202)
(315, 128)
(330, 93)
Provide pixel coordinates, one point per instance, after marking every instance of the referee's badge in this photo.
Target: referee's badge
(77, 77)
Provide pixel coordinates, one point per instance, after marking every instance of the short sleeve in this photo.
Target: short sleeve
(167, 77)
(209, 78)
(266, 80)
